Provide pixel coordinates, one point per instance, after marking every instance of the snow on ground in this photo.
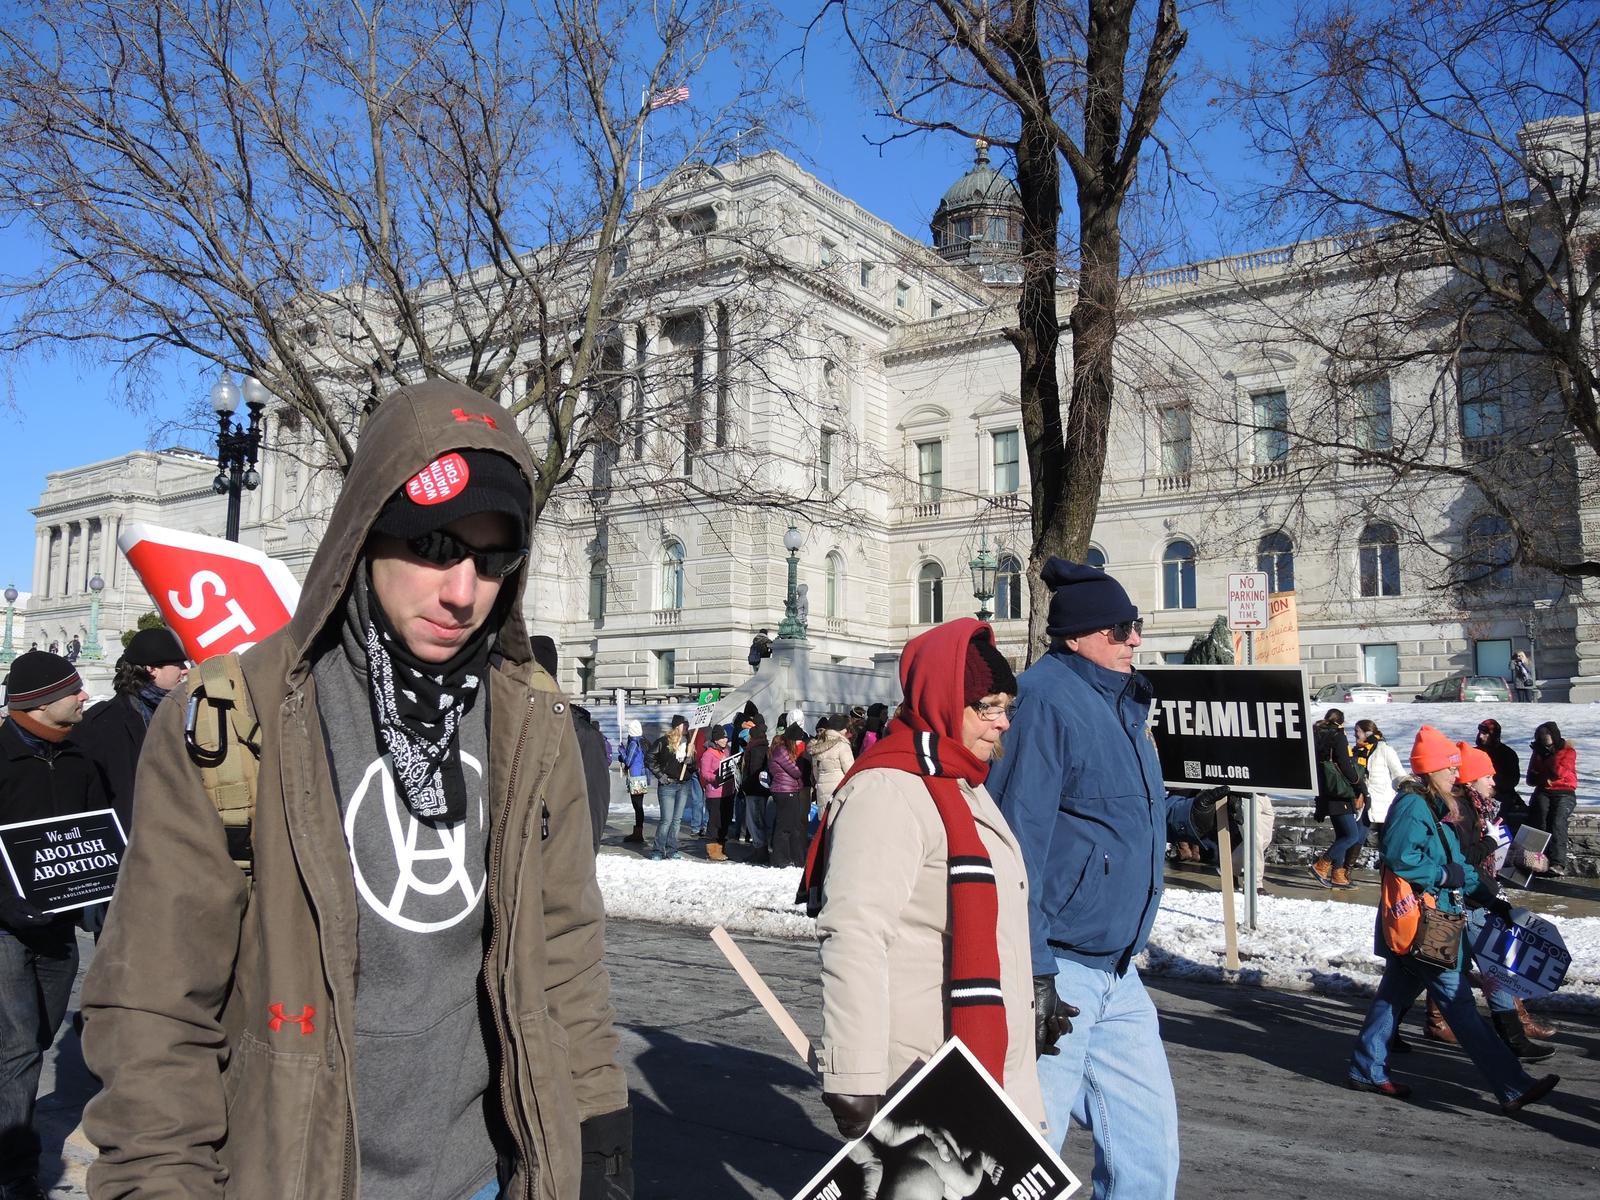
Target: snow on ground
(1580, 725)
(1300, 945)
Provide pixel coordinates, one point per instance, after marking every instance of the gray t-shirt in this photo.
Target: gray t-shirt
(423, 1085)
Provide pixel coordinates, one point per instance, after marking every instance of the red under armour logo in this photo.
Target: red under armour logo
(279, 1019)
(462, 414)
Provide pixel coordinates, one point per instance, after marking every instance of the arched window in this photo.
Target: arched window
(1177, 575)
(930, 594)
(672, 575)
(1488, 552)
(1275, 560)
(597, 590)
(833, 600)
(1008, 589)
(1096, 557)
(1380, 560)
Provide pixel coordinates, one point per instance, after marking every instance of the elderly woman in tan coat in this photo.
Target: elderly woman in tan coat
(923, 893)
(831, 758)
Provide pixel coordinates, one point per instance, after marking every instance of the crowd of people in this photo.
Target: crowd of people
(395, 979)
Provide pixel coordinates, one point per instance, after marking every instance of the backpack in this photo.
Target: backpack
(754, 657)
(222, 736)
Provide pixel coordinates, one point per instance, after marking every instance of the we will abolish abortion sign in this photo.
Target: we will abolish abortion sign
(1247, 727)
(62, 863)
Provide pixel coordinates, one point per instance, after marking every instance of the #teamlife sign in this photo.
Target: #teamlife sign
(950, 1131)
(62, 863)
(1246, 727)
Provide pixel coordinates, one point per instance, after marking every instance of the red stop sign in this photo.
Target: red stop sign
(216, 595)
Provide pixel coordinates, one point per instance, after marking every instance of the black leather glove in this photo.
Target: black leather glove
(1203, 810)
(19, 915)
(1500, 907)
(852, 1114)
(1052, 1016)
(607, 1142)
(1454, 876)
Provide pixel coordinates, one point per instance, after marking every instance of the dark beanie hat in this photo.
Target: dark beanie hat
(544, 652)
(154, 648)
(987, 671)
(457, 484)
(1083, 599)
(38, 678)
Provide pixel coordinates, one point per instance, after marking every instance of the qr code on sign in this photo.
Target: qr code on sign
(1191, 769)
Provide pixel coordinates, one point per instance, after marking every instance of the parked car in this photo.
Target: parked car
(1352, 693)
(1468, 688)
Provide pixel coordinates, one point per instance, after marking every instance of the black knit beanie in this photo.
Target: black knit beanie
(38, 678)
(1083, 599)
(455, 485)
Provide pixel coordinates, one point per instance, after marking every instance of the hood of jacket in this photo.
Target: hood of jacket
(410, 428)
(933, 674)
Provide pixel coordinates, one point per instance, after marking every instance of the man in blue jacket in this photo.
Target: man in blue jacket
(1081, 786)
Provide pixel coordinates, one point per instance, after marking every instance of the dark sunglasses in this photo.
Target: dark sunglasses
(1123, 630)
(444, 549)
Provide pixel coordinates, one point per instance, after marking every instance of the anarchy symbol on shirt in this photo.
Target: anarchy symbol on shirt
(443, 844)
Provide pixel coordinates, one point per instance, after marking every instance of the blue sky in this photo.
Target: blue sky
(61, 412)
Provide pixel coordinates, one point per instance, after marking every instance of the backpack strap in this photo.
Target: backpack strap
(223, 738)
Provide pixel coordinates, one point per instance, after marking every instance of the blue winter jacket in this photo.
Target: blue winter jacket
(1081, 786)
(631, 755)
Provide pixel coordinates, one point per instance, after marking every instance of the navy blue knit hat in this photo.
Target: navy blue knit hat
(1083, 599)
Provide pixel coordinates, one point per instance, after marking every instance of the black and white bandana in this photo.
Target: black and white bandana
(418, 708)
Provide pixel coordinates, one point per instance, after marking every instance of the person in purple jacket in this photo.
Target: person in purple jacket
(787, 782)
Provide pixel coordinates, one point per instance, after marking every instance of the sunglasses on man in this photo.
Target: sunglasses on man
(444, 549)
(1123, 630)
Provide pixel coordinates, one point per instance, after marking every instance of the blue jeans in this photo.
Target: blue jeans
(489, 1191)
(694, 815)
(1111, 1077)
(673, 797)
(35, 983)
(761, 815)
(1403, 980)
(1348, 832)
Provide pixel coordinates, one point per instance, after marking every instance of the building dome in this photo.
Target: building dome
(979, 220)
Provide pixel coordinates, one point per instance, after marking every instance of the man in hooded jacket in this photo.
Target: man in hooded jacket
(421, 812)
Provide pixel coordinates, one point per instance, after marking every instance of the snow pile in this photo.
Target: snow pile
(1315, 945)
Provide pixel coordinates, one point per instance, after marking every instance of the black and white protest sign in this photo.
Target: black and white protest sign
(950, 1131)
(1527, 958)
(1246, 727)
(62, 863)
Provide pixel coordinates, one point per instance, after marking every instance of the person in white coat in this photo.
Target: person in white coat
(1383, 768)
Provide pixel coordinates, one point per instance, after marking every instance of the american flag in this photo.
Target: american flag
(668, 97)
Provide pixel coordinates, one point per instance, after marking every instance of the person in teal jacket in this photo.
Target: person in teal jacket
(1080, 786)
(1420, 848)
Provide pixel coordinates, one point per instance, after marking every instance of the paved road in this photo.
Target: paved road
(725, 1111)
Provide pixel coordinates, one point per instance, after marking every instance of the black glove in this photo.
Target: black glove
(607, 1142)
(1500, 907)
(1052, 1016)
(1203, 810)
(1454, 876)
(20, 915)
(852, 1114)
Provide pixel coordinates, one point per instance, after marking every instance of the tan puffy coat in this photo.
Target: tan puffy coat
(831, 757)
(208, 1090)
(884, 933)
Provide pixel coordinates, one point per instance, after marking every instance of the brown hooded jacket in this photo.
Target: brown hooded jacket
(220, 1016)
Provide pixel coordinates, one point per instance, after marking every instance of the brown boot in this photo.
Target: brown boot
(1323, 870)
(1438, 1029)
(1341, 878)
(1533, 1026)
(636, 838)
(714, 852)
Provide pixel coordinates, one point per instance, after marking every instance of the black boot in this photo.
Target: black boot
(1509, 1026)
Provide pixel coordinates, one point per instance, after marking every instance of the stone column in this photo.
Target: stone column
(41, 547)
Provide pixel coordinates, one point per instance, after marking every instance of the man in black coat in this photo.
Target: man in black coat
(112, 734)
(592, 747)
(42, 774)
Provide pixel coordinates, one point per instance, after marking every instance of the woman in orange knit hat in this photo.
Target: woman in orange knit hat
(1423, 851)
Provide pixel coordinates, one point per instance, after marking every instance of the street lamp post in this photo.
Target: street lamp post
(983, 568)
(791, 626)
(92, 650)
(237, 448)
(7, 651)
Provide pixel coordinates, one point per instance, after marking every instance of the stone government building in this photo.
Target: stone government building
(889, 403)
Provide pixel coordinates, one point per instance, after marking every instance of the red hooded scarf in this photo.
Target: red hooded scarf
(925, 740)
